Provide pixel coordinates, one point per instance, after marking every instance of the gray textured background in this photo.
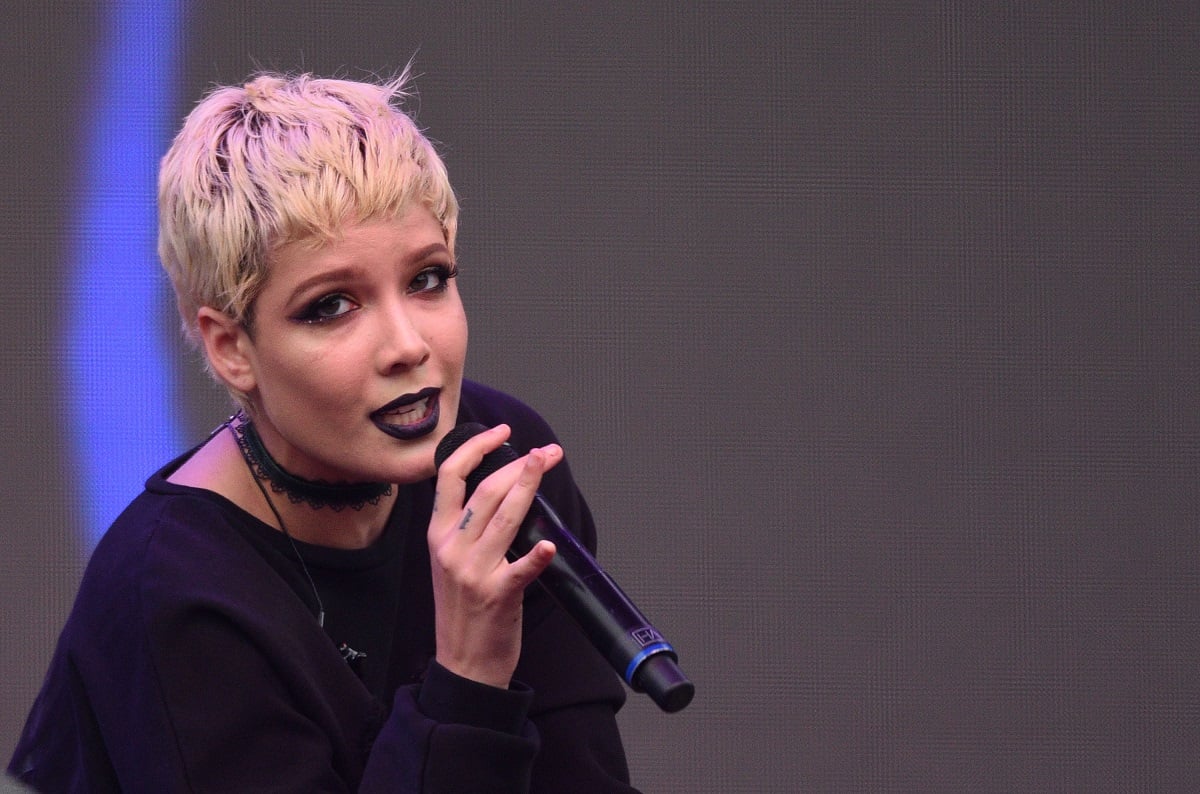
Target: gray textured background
(870, 331)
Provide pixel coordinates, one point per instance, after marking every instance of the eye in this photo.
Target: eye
(433, 279)
(327, 308)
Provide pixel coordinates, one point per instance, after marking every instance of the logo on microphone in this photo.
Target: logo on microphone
(646, 635)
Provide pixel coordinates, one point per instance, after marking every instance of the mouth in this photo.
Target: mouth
(410, 416)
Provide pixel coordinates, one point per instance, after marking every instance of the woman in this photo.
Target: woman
(298, 604)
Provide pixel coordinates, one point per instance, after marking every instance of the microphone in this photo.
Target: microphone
(616, 628)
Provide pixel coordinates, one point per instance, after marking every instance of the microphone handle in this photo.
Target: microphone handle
(574, 579)
(622, 634)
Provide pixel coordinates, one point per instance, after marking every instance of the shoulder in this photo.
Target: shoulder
(172, 550)
(169, 525)
(175, 575)
(155, 526)
(164, 555)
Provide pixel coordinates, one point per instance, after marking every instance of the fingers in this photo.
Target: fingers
(515, 497)
(452, 474)
(499, 504)
(478, 593)
(477, 622)
(525, 570)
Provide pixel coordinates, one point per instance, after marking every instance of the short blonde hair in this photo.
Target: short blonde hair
(281, 159)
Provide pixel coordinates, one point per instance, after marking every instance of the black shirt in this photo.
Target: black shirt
(192, 661)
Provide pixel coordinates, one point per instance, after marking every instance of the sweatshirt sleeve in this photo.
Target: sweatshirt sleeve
(449, 734)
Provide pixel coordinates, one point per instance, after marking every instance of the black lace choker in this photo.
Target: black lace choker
(317, 493)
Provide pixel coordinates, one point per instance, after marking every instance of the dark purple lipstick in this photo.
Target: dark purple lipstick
(410, 416)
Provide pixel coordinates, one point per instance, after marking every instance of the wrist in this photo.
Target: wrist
(491, 674)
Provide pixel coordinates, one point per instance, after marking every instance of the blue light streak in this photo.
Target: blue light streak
(119, 382)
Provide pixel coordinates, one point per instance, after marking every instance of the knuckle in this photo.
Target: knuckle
(490, 490)
(443, 558)
(448, 558)
(504, 522)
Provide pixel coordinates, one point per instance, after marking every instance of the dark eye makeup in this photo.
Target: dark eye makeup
(327, 307)
(432, 280)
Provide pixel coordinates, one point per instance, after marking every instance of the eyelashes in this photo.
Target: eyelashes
(326, 308)
(432, 281)
(439, 275)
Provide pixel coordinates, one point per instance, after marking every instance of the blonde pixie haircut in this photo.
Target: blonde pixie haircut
(284, 159)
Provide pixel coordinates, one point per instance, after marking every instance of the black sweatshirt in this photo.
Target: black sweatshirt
(192, 661)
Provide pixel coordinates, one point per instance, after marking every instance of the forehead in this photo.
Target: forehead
(406, 237)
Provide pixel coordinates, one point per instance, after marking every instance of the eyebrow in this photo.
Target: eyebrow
(350, 271)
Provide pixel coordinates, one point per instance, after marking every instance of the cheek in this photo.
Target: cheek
(449, 338)
(315, 377)
(459, 349)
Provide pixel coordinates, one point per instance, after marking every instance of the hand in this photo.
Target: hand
(477, 592)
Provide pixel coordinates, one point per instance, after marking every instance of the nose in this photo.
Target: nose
(402, 345)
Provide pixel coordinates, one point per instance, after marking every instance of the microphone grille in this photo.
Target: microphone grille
(455, 439)
(492, 462)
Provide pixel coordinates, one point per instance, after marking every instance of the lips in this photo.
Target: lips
(410, 416)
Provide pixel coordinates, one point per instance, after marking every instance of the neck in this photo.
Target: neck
(340, 515)
(317, 494)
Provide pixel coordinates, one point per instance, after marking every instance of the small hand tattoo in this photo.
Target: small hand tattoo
(466, 519)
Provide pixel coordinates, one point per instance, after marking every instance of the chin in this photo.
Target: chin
(416, 462)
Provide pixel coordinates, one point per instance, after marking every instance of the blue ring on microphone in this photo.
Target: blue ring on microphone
(649, 650)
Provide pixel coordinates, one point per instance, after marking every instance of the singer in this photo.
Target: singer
(302, 602)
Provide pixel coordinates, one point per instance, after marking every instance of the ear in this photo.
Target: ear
(229, 349)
